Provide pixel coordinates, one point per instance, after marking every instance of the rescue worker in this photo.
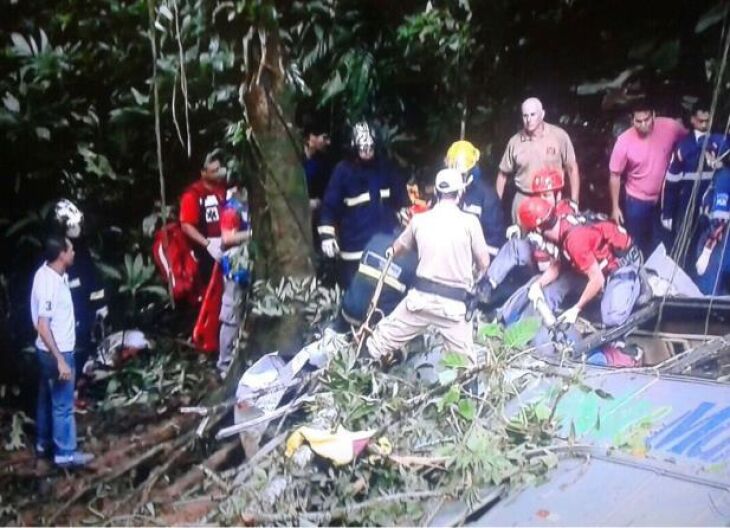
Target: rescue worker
(712, 254)
(522, 257)
(682, 172)
(536, 146)
(479, 198)
(200, 207)
(236, 264)
(450, 243)
(596, 256)
(87, 290)
(317, 168)
(363, 197)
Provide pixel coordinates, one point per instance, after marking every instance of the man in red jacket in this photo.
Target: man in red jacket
(200, 208)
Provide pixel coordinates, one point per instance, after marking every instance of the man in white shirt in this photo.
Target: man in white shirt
(52, 312)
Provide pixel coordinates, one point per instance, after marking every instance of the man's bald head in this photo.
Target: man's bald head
(532, 114)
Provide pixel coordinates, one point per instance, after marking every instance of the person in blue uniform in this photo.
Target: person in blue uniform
(87, 290)
(363, 197)
(683, 171)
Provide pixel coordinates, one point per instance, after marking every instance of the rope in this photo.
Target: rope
(687, 226)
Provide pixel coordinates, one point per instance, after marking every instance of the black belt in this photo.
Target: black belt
(436, 288)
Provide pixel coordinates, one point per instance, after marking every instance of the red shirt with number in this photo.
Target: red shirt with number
(201, 206)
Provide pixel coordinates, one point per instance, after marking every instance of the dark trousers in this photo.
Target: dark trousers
(643, 223)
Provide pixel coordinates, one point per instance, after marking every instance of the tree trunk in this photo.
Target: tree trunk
(284, 236)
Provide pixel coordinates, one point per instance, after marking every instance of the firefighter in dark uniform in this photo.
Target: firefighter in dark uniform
(87, 291)
(363, 197)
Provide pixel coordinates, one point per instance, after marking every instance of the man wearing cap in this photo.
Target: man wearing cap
(536, 146)
(449, 243)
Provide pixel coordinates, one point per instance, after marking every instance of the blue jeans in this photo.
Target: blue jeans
(642, 223)
(55, 422)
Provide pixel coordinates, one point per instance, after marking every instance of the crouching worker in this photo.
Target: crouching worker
(522, 257)
(52, 312)
(597, 256)
(449, 243)
(235, 235)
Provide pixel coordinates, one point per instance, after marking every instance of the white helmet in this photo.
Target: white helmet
(69, 217)
(449, 181)
(362, 136)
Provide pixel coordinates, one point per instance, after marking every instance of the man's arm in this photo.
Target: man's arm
(193, 234)
(44, 331)
(550, 275)
(595, 284)
(614, 186)
(500, 183)
(234, 237)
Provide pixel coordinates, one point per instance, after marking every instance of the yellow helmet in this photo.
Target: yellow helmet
(462, 156)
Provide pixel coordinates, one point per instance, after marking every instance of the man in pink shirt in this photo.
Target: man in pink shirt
(642, 154)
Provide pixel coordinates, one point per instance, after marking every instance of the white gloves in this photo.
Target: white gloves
(667, 223)
(513, 231)
(330, 247)
(537, 297)
(569, 316)
(214, 249)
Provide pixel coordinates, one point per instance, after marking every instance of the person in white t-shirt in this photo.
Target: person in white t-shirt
(53, 317)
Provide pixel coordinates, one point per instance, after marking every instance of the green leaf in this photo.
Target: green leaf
(156, 290)
(165, 11)
(20, 45)
(711, 17)
(454, 360)
(542, 412)
(449, 399)
(467, 409)
(108, 271)
(521, 333)
(11, 103)
(490, 330)
(447, 376)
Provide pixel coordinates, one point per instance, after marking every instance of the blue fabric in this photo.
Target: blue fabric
(642, 223)
(482, 197)
(356, 224)
(357, 297)
(240, 274)
(55, 422)
(317, 170)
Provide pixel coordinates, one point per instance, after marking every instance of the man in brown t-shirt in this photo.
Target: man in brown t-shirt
(450, 243)
(537, 146)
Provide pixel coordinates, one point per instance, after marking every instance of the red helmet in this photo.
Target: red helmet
(534, 212)
(547, 179)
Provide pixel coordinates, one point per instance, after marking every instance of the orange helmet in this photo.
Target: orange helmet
(533, 213)
(547, 179)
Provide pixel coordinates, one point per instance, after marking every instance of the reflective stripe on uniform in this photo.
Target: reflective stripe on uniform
(689, 176)
(350, 255)
(376, 274)
(492, 250)
(357, 200)
(96, 295)
(385, 193)
(326, 230)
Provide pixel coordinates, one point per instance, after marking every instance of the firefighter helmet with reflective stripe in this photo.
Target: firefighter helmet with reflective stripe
(69, 217)
(462, 156)
(534, 213)
(449, 181)
(547, 179)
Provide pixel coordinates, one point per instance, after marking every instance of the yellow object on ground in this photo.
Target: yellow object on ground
(341, 447)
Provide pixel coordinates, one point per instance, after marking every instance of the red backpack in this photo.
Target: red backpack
(176, 263)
